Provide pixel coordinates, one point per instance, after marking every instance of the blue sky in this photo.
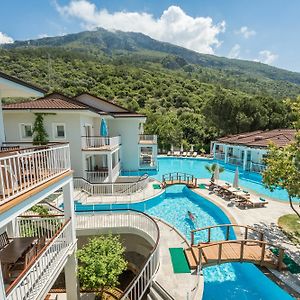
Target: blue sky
(265, 30)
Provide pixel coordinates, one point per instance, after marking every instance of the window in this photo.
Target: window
(26, 131)
(59, 131)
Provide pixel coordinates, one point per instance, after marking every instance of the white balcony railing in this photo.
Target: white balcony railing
(148, 139)
(117, 189)
(235, 161)
(100, 142)
(147, 162)
(24, 169)
(219, 156)
(96, 176)
(129, 219)
(31, 283)
(257, 167)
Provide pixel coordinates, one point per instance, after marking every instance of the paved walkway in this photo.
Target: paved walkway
(264, 219)
(179, 286)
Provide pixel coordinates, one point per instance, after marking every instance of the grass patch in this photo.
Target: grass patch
(290, 225)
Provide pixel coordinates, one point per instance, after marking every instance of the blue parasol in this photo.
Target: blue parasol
(103, 128)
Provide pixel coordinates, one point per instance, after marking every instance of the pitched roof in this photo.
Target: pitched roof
(259, 138)
(52, 101)
(24, 83)
(56, 101)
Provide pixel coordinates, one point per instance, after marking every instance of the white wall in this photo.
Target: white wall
(72, 127)
(128, 129)
(2, 136)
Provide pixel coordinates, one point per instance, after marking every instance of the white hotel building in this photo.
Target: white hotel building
(77, 121)
(247, 150)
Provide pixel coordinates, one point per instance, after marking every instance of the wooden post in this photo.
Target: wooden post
(192, 238)
(280, 259)
(227, 233)
(246, 233)
(261, 236)
(220, 253)
(200, 258)
(242, 251)
(208, 235)
(263, 250)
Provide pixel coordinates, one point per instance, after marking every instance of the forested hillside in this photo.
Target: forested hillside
(186, 100)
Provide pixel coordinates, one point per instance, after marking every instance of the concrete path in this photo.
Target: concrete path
(179, 286)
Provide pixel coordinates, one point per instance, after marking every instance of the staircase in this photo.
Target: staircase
(157, 292)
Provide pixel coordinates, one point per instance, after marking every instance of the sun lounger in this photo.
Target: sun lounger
(189, 154)
(183, 154)
(169, 153)
(195, 154)
(257, 201)
(176, 153)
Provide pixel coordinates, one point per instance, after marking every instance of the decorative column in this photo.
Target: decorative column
(213, 149)
(72, 286)
(245, 159)
(226, 153)
(109, 166)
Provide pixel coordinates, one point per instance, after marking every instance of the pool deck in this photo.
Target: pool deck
(179, 286)
(264, 219)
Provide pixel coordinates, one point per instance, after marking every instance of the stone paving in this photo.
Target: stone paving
(179, 286)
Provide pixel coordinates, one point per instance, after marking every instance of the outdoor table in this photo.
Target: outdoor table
(13, 251)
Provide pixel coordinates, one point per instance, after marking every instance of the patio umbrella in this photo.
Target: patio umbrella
(217, 173)
(103, 128)
(181, 148)
(236, 179)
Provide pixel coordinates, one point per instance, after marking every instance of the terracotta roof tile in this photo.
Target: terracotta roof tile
(280, 137)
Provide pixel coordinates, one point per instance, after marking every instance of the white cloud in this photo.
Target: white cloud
(246, 32)
(234, 51)
(43, 35)
(5, 39)
(266, 57)
(174, 25)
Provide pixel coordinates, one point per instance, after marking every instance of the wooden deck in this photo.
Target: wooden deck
(179, 178)
(209, 253)
(231, 251)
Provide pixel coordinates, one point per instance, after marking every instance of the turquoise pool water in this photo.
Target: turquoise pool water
(229, 281)
(196, 167)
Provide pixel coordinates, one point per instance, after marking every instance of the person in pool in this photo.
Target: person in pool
(191, 216)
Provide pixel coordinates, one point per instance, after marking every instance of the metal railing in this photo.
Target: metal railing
(33, 279)
(148, 138)
(219, 156)
(130, 219)
(24, 169)
(257, 167)
(96, 176)
(100, 142)
(147, 163)
(235, 161)
(114, 188)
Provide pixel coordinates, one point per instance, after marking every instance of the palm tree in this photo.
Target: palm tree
(212, 168)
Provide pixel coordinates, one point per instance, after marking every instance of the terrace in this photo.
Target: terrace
(23, 169)
(147, 139)
(100, 143)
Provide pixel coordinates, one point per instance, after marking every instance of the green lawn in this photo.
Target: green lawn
(290, 224)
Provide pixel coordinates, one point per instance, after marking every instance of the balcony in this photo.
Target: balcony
(235, 161)
(147, 139)
(100, 143)
(147, 162)
(96, 176)
(41, 263)
(257, 167)
(22, 169)
(220, 155)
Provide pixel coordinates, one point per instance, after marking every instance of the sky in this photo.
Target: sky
(258, 30)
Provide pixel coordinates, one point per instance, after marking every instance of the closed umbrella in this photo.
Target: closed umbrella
(181, 148)
(236, 179)
(217, 173)
(192, 148)
(172, 148)
(103, 128)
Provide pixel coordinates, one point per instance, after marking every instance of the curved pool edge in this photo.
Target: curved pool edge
(284, 285)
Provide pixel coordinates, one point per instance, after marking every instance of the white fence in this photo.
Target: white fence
(32, 281)
(96, 176)
(130, 219)
(98, 189)
(23, 169)
(257, 167)
(90, 142)
(148, 138)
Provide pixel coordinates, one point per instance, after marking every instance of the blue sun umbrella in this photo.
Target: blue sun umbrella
(103, 128)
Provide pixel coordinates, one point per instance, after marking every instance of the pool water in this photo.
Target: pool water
(228, 281)
(196, 167)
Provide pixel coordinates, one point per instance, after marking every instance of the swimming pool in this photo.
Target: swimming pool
(229, 281)
(196, 167)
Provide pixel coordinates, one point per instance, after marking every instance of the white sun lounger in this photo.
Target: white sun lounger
(195, 154)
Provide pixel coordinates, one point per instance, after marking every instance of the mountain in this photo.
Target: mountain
(118, 43)
(188, 97)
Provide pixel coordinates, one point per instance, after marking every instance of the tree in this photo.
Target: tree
(101, 261)
(282, 164)
(40, 135)
(212, 168)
